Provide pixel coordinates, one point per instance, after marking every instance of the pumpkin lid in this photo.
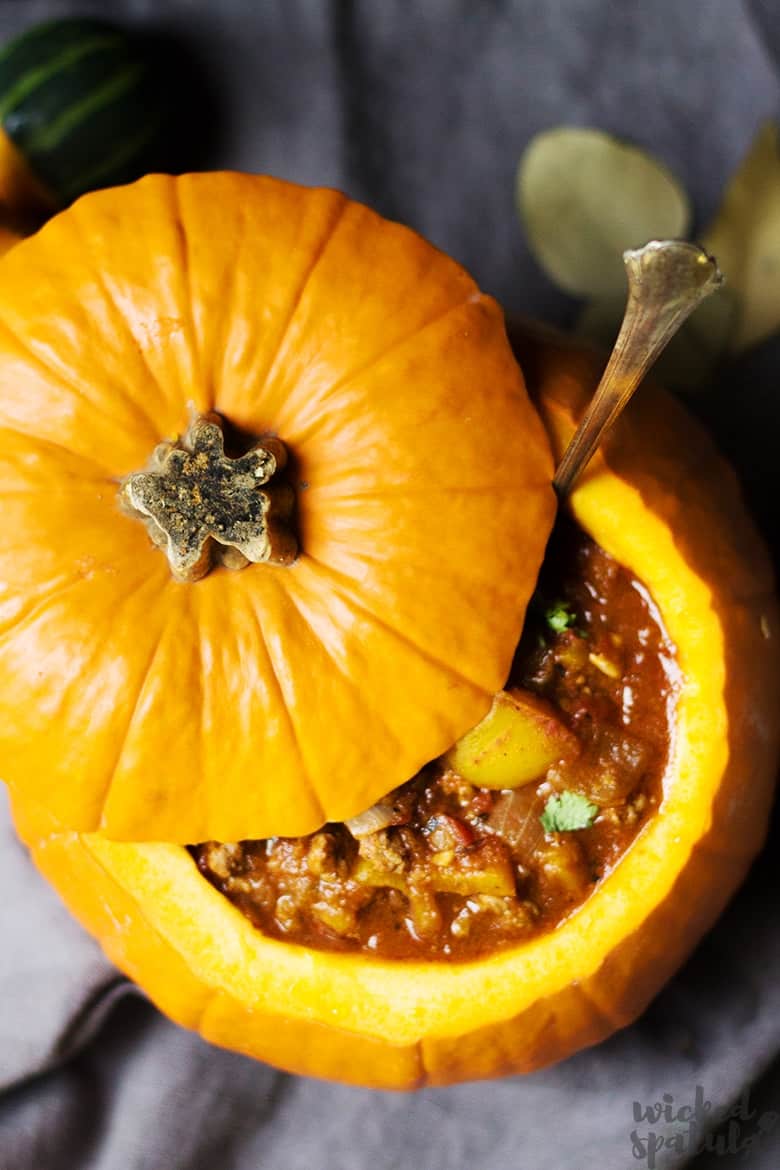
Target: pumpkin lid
(162, 344)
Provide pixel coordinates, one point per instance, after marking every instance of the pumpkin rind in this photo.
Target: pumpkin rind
(660, 500)
(269, 700)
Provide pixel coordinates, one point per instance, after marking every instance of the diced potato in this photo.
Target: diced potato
(486, 869)
(495, 876)
(445, 857)
(508, 912)
(320, 858)
(336, 918)
(383, 851)
(287, 912)
(367, 874)
(223, 859)
(605, 665)
(563, 864)
(517, 741)
(424, 913)
(571, 651)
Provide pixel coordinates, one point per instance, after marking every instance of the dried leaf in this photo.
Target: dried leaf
(584, 197)
(745, 239)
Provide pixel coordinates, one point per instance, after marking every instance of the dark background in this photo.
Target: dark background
(422, 109)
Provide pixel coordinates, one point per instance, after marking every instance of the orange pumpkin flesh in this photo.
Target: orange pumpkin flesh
(269, 700)
(661, 501)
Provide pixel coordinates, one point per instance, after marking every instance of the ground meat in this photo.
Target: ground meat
(441, 868)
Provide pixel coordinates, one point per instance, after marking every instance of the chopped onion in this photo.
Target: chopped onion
(515, 817)
(379, 816)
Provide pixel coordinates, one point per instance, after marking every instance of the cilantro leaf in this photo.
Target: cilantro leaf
(559, 617)
(568, 811)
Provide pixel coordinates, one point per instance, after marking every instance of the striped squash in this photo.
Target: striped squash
(79, 108)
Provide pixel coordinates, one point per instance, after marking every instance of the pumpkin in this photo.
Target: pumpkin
(268, 700)
(661, 500)
(79, 108)
(657, 497)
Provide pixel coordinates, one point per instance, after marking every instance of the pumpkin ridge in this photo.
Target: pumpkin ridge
(211, 993)
(288, 706)
(209, 999)
(341, 585)
(340, 210)
(121, 323)
(37, 605)
(380, 493)
(95, 859)
(184, 272)
(341, 383)
(223, 330)
(293, 600)
(246, 610)
(610, 1021)
(123, 737)
(199, 700)
(99, 473)
(52, 373)
(150, 584)
(348, 207)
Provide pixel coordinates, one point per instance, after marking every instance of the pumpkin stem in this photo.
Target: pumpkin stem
(204, 508)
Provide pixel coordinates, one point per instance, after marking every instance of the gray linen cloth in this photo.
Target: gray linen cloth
(422, 109)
